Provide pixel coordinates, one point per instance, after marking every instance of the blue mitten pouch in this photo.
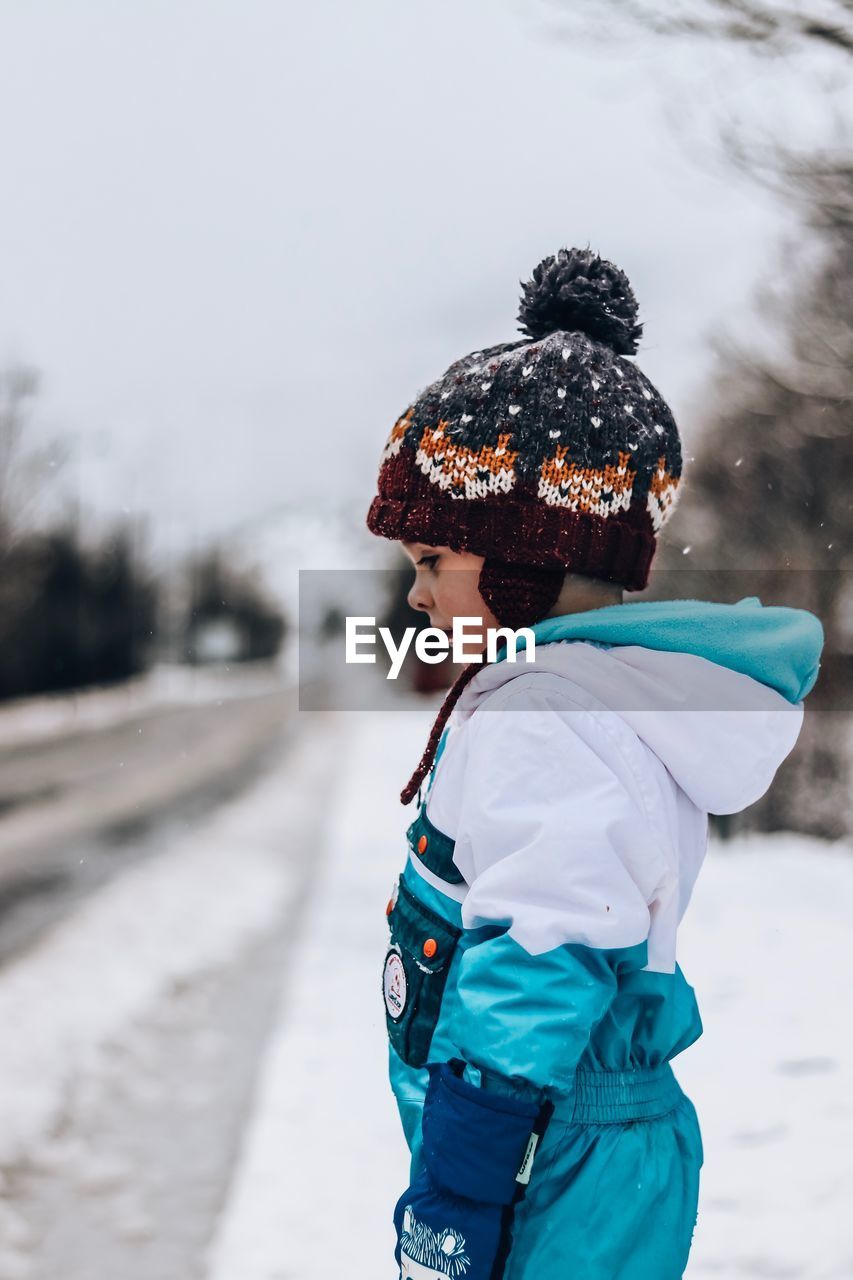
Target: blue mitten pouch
(454, 1220)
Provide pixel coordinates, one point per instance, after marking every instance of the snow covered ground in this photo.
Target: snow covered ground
(767, 943)
(28, 720)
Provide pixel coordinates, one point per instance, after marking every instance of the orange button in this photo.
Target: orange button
(390, 907)
(430, 948)
(422, 844)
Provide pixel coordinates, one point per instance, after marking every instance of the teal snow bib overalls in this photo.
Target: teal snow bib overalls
(614, 1187)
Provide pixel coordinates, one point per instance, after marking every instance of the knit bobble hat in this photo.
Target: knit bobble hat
(543, 455)
(554, 451)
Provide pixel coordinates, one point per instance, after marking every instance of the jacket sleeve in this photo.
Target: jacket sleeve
(562, 861)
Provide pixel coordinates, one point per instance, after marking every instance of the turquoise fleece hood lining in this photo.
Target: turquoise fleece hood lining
(774, 644)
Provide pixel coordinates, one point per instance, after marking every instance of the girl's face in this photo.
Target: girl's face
(445, 587)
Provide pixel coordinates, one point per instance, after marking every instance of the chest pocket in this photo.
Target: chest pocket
(434, 848)
(415, 974)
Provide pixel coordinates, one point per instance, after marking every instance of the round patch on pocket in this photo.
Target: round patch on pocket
(394, 985)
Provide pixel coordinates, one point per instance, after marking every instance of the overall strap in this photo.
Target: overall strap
(433, 847)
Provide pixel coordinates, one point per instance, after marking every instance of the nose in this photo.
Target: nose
(419, 597)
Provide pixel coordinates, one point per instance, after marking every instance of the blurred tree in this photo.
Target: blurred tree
(125, 600)
(229, 616)
(70, 615)
(770, 484)
(775, 455)
(18, 385)
(89, 616)
(24, 471)
(771, 488)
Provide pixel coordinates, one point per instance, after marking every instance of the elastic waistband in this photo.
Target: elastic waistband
(616, 1097)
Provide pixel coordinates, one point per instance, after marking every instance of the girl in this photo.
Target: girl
(532, 994)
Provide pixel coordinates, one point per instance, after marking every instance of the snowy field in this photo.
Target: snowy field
(767, 943)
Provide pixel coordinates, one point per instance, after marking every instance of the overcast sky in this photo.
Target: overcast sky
(238, 238)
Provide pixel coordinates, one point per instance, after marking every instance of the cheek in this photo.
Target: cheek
(457, 594)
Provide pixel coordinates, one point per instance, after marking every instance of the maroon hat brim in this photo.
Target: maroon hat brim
(614, 549)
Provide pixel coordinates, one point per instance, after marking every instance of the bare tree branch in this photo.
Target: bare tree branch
(765, 25)
(829, 35)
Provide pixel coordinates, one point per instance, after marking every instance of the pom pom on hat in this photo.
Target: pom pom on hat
(578, 291)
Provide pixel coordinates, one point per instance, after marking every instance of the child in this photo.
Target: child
(532, 994)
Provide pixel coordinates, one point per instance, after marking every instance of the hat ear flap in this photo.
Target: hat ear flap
(519, 594)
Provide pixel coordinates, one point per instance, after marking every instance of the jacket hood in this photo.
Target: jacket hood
(715, 690)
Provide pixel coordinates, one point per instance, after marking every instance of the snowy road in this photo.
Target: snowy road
(133, 1031)
(192, 1084)
(79, 804)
